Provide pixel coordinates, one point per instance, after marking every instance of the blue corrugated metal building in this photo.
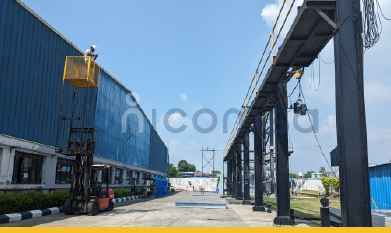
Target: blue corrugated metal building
(34, 99)
(380, 183)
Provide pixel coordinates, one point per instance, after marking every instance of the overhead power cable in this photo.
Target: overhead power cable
(316, 137)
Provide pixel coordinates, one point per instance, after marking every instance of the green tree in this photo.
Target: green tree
(184, 166)
(326, 182)
(216, 173)
(172, 171)
(330, 182)
(191, 168)
(308, 174)
(335, 183)
(293, 175)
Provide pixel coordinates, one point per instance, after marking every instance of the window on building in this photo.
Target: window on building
(109, 175)
(64, 171)
(1, 156)
(129, 177)
(118, 176)
(137, 178)
(27, 168)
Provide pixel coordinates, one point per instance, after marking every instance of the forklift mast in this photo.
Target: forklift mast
(81, 145)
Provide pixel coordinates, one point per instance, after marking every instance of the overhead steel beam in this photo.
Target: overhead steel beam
(312, 28)
(350, 116)
(283, 195)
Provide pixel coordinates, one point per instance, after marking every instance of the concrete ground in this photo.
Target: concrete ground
(163, 212)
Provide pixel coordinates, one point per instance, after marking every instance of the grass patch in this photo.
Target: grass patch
(305, 207)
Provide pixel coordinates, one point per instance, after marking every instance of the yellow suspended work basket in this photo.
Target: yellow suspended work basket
(81, 71)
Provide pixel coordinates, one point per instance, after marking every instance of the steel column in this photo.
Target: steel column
(229, 175)
(246, 169)
(234, 172)
(350, 115)
(239, 176)
(283, 195)
(224, 178)
(258, 163)
(271, 152)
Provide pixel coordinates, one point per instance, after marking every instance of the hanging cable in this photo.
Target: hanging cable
(319, 74)
(372, 25)
(316, 137)
(381, 11)
(294, 88)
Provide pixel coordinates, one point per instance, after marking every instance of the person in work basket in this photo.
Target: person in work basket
(90, 52)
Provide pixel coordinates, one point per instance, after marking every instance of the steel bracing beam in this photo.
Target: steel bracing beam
(281, 130)
(350, 116)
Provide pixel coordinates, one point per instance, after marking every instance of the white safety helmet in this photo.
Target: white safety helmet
(93, 47)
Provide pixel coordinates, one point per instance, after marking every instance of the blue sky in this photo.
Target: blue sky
(195, 54)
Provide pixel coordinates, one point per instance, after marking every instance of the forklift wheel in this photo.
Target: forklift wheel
(67, 208)
(92, 208)
(111, 206)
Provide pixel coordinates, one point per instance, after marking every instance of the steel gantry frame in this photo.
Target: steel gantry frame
(316, 23)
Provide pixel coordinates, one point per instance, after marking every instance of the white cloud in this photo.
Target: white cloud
(329, 126)
(379, 136)
(377, 92)
(270, 12)
(184, 97)
(176, 119)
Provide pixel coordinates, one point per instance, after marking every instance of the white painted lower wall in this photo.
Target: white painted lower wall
(312, 185)
(9, 145)
(195, 184)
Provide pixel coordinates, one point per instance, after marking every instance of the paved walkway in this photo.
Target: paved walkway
(163, 212)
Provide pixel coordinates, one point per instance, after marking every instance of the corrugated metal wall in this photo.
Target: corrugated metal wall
(32, 94)
(122, 129)
(33, 98)
(158, 153)
(380, 183)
